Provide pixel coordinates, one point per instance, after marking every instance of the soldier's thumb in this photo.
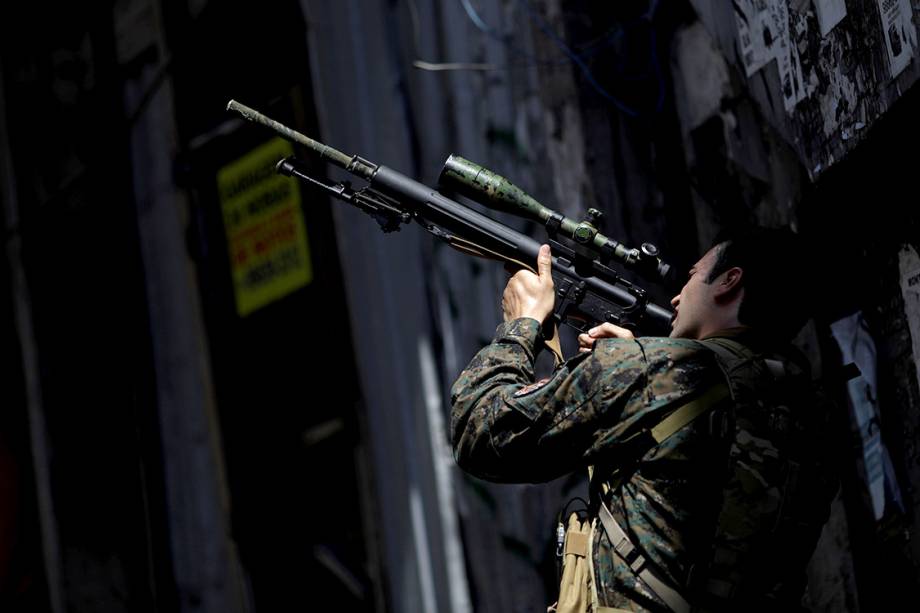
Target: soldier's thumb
(545, 264)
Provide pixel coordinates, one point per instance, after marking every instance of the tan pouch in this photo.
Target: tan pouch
(575, 587)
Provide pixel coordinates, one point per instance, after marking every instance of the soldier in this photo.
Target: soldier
(708, 488)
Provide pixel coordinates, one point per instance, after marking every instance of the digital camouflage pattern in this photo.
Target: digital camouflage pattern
(504, 431)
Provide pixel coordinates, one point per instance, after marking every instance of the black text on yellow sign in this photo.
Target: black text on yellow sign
(266, 236)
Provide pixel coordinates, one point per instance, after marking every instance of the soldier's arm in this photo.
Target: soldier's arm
(505, 427)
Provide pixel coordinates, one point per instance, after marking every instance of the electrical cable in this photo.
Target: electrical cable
(578, 61)
(587, 50)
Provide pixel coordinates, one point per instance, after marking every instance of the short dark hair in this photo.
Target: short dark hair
(776, 283)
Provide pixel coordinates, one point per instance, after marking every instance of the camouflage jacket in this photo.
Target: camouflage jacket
(704, 502)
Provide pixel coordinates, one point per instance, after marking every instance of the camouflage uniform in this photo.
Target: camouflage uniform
(506, 428)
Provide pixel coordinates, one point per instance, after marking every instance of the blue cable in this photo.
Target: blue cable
(578, 59)
(575, 58)
(474, 17)
(488, 31)
(586, 71)
(589, 50)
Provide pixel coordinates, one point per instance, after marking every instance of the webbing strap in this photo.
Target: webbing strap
(470, 248)
(690, 411)
(637, 562)
(669, 426)
(642, 442)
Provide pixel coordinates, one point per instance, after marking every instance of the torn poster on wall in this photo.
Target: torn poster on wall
(858, 347)
(830, 13)
(909, 263)
(900, 33)
(763, 36)
(831, 72)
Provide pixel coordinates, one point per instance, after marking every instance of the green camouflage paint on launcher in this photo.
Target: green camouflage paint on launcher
(351, 163)
(480, 184)
(495, 191)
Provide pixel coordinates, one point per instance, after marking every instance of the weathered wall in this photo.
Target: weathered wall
(648, 113)
(822, 72)
(750, 160)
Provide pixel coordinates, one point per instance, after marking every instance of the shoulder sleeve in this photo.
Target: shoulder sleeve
(676, 371)
(505, 427)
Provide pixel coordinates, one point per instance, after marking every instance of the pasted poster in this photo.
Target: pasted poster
(263, 221)
(763, 36)
(910, 289)
(858, 347)
(900, 33)
(829, 13)
(756, 37)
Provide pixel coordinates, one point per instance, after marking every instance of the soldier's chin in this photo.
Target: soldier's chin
(677, 331)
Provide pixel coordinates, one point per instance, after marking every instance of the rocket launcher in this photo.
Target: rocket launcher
(588, 290)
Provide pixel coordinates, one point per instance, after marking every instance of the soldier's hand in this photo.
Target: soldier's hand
(605, 330)
(528, 294)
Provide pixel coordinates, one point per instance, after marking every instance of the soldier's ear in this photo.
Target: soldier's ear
(729, 282)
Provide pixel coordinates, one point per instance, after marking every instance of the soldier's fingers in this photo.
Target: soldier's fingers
(545, 264)
(609, 330)
(584, 340)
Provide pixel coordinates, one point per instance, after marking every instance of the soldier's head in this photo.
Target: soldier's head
(752, 277)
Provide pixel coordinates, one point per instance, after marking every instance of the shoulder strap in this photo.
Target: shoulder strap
(637, 562)
(731, 355)
(686, 413)
(639, 444)
(642, 442)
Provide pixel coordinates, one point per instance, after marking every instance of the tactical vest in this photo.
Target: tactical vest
(775, 497)
(777, 486)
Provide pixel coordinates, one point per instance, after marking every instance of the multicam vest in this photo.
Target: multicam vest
(776, 493)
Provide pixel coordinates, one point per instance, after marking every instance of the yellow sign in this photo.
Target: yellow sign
(266, 236)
